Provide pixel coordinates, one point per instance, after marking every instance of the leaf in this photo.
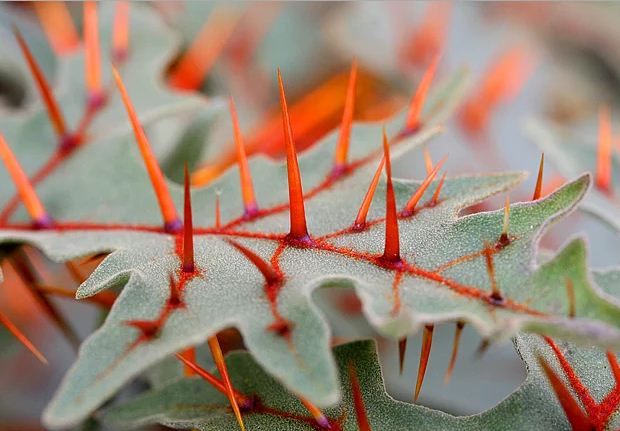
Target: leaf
(191, 403)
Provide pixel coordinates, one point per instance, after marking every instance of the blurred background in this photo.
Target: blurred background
(556, 62)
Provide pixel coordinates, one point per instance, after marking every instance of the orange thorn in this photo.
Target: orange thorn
(188, 228)
(243, 400)
(539, 179)
(166, 205)
(21, 337)
(496, 295)
(427, 341)
(92, 55)
(53, 110)
(576, 417)
(428, 161)
(58, 26)
(190, 355)
(342, 147)
(435, 197)
(402, 349)
(271, 277)
(360, 220)
(247, 189)
(26, 192)
(120, 32)
(358, 400)
(615, 368)
(415, 198)
(391, 252)
(417, 103)
(455, 351)
(299, 231)
(191, 70)
(570, 293)
(218, 358)
(218, 212)
(603, 159)
(316, 413)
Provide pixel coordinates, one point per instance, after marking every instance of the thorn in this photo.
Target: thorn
(175, 299)
(21, 337)
(58, 26)
(299, 231)
(613, 364)
(218, 212)
(358, 400)
(435, 198)
(92, 54)
(103, 299)
(342, 147)
(539, 179)
(604, 158)
(576, 417)
(189, 354)
(482, 348)
(120, 32)
(360, 220)
(188, 227)
(316, 413)
(172, 223)
(415, 198)
(402, 349)
(242, 400)
(27, 194)
(271, 277)
(428, 161)
(504, 239)
(194, 65)
(427, 341)
(53, 110)
(417, 103)
(496, 295)
(218, 358)
(247, 189)
(570, 293)
(391, 251)
(455, 351)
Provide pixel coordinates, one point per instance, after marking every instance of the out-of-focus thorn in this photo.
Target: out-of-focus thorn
(247, 188)
(342, 147)
(435, 198)
(190, 355)
(414, 121)
(428, 161)
(120, 32)
(539, 178)
(427, 341)
(192, 68)
(57, 25)
(402, 350)
(415, 198)
(428, 38)
(316, 413)
(603, 156)
(92, 54)
(615, 368)
(391, 250)
(360, 220)
(21, 337)
(358, 400)
(570, 295)
(455, 351)
(172, 223)
(102, 299)
(26, 192)
(188, 227)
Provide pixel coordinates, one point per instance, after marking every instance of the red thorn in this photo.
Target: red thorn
(92, 53)
(21, 337)
(539, 178)
(243, 400)
(504, 239)
(415, 198)
(570, 293)
(603, 158)
(358, 400)
(413, 121)
(427, 341)
(360, 220)
(120, 32)
(299, 231)
(316, 413)
(613, 364)
(271, 277)
(342, 147)
(53, 110)
(24, 188)
(190, 355)
(402, 350)
(188, 228)
(218, 358)
(218, 212)
(175, 299)
(247, 189)
(58, 26)
(428, 161)
(455, 351)
(166, 205)
(435, 198)
(391, 251)
(496, 295)
(576, 417)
